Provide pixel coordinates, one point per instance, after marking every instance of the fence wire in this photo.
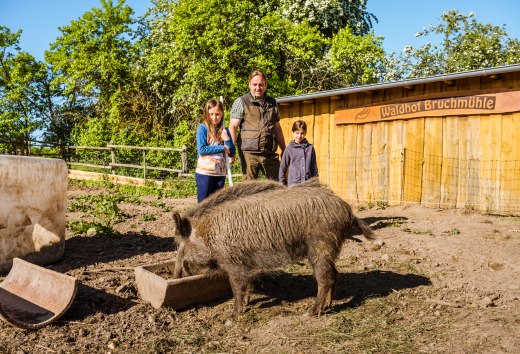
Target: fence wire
(393, 177)
(491, 186)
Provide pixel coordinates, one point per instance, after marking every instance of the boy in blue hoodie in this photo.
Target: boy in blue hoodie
(299, 158)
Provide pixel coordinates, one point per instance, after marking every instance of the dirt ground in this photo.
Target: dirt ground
(446, 281)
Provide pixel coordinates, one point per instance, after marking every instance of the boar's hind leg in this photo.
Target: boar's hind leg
(240, 288)
(326, 275)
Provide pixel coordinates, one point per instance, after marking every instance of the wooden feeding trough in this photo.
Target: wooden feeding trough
(32, 297)
(155, 285)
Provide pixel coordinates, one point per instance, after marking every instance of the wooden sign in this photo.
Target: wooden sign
(457, 104)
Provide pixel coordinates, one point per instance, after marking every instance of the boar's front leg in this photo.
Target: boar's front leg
(239, 286)
(177, 270)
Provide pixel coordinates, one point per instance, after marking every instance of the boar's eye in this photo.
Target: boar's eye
(213, 264)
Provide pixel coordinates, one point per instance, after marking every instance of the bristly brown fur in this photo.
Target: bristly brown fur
(247, 233)
(224, 195)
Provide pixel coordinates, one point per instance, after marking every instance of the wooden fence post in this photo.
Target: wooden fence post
(144, 164)
(62, 150)
(113, 157)
(184, 158)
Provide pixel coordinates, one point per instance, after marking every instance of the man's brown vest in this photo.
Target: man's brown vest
(256, 129)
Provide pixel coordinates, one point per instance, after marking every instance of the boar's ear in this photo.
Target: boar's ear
(182, 225)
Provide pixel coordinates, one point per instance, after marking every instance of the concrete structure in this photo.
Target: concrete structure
(33, 203)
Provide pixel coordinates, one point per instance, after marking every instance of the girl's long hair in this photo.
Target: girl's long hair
(214, 134)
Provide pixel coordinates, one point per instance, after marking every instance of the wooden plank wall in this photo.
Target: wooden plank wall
(339, 142)
(447, 162)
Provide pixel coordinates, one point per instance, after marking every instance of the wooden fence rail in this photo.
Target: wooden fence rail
(64, 151)
(28, 148)
(144, 150)
(110, 163)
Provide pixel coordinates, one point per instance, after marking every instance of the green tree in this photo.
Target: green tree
(330, 16)
(112, 80)
(197, 50)
(92, 62)
(466, 44)
(191, 51)
(25, 95)
(357, 59)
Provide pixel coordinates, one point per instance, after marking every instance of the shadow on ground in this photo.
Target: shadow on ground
(377, 223)
(357, 287)
(82, 251)
(90, 301)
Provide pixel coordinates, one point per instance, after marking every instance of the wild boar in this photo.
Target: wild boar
(241, 190)
(267, 230)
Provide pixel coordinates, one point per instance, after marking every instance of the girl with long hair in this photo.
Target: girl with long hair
(214, 146)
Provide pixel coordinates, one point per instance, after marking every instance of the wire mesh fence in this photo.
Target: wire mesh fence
(393, 177)
(390, 176)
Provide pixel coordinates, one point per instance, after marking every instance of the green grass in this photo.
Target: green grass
(102, 210)
(171, 188)
(454, 231)
(392, 222)
(381, 205)
(418, 232)
(148, 217)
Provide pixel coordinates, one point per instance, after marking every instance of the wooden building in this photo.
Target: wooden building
(448, 141)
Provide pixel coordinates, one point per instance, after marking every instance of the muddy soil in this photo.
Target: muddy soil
(446, 281)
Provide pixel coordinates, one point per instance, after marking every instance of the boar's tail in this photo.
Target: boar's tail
(182, 225)
(367, 231)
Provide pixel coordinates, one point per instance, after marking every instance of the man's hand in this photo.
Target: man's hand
(278, 133)
(233, 127)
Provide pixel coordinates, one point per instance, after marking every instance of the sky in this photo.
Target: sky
(399, 20)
